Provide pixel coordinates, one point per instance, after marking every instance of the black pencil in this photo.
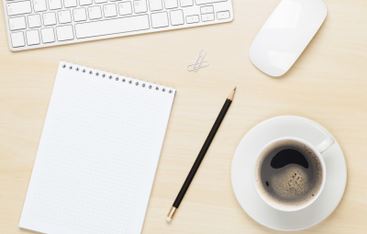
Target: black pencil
(200, 156)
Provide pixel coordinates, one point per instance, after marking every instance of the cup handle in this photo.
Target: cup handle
(325, 145)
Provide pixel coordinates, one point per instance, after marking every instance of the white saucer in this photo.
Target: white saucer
(243, 166)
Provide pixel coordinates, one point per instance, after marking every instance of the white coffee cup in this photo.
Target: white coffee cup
(316, 152)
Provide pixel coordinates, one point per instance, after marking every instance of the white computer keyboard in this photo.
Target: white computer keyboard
(42, 23)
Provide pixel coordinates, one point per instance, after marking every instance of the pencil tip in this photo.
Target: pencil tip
(231, 96)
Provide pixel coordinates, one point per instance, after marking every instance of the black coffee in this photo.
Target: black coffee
(291, 174)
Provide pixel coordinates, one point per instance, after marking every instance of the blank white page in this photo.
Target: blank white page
(98, 153)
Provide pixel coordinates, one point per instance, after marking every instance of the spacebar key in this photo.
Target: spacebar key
(112, 26)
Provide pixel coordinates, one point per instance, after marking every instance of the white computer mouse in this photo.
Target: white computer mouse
(285, 35)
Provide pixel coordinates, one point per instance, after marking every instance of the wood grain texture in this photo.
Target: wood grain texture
(328, 84)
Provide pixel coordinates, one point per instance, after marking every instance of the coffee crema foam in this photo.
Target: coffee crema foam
(296, 176)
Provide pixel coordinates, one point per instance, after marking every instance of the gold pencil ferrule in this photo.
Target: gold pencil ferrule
(171, 213)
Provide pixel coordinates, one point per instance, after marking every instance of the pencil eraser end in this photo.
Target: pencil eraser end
(168, 219)
(170, 215)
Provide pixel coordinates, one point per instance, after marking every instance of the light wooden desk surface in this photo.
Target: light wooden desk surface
(328, 84)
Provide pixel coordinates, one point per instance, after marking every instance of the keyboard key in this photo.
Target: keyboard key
(39, 5)
(17, 23)
(125, 8)
(85, 2)
(160, 20)
(95, 12)
(64, 17)
(65, 33)
(49, 19)
(177, 17)
(207, 17)
(223, 15)
(200, 2)
(207, 9)
(191, 19)
(112, 26)
(171, 4)
(33, 37)
(79, 14)
(34, 21)
(48, 35)
(155, 5)
(54, 4)
(17, 39)
(186, 3)
(19, 8)
(100, 1)
(110, 10)
(69, 3)
(140, 6)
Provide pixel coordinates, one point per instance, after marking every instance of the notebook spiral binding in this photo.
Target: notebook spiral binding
(110, 76)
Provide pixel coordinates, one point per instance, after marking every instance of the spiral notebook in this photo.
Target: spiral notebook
(98, 153)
